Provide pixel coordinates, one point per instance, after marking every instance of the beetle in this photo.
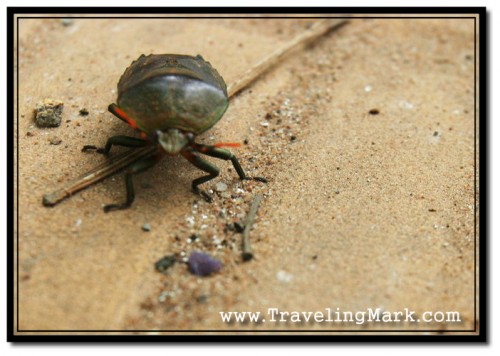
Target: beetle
(170, 99)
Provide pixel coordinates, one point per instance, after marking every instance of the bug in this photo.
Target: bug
(170, 99)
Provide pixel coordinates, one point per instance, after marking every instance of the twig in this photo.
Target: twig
(246, 249)
(317, 29)
(108, 168)
(116, 163)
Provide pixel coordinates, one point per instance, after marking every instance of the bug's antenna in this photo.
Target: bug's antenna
(124, 159)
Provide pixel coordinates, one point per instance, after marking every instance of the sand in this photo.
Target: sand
(366, 138)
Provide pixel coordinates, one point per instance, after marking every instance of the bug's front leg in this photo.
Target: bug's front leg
(205, 166)
(137, 167)
(125, 141)
(221, 153)
(212, 170)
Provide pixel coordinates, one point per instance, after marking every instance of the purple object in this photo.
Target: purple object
(202, 264)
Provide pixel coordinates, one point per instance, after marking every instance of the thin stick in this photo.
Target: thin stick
(116, 163)
(317, 29)
(246, 249)
(108, 168)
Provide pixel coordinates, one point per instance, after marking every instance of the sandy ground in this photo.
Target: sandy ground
(366, 138)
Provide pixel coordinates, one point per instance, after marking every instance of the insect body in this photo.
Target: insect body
(170, 99)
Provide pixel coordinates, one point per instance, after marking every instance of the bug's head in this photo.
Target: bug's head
(172, 140)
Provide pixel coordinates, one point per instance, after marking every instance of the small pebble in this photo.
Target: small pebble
(165, 263)
(202, 264)
(54, 140)
(221, 187)
(67, 21)
(284, 277)
(146, 227)
(83, 112)
(48, 113)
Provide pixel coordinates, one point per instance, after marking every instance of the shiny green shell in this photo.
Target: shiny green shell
(166, 91)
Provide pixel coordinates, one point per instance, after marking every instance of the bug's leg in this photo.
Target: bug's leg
(206, 166)
(221, 153)
(125, 141)
(135, 168)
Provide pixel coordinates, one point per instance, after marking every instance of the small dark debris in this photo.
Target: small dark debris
(436, 133)
(146, 227)
(315, 257)
(147, 305)
(245, 141)
(238, 227)
(202, 299)
(30, 134)
(293, 138)
(83, 112)
(374, 112)
(202, 264)
(246, 256)
(165, 263)
(268, 116)
(48, 113)
(193, 237)
(432, 210)
(54, 140)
